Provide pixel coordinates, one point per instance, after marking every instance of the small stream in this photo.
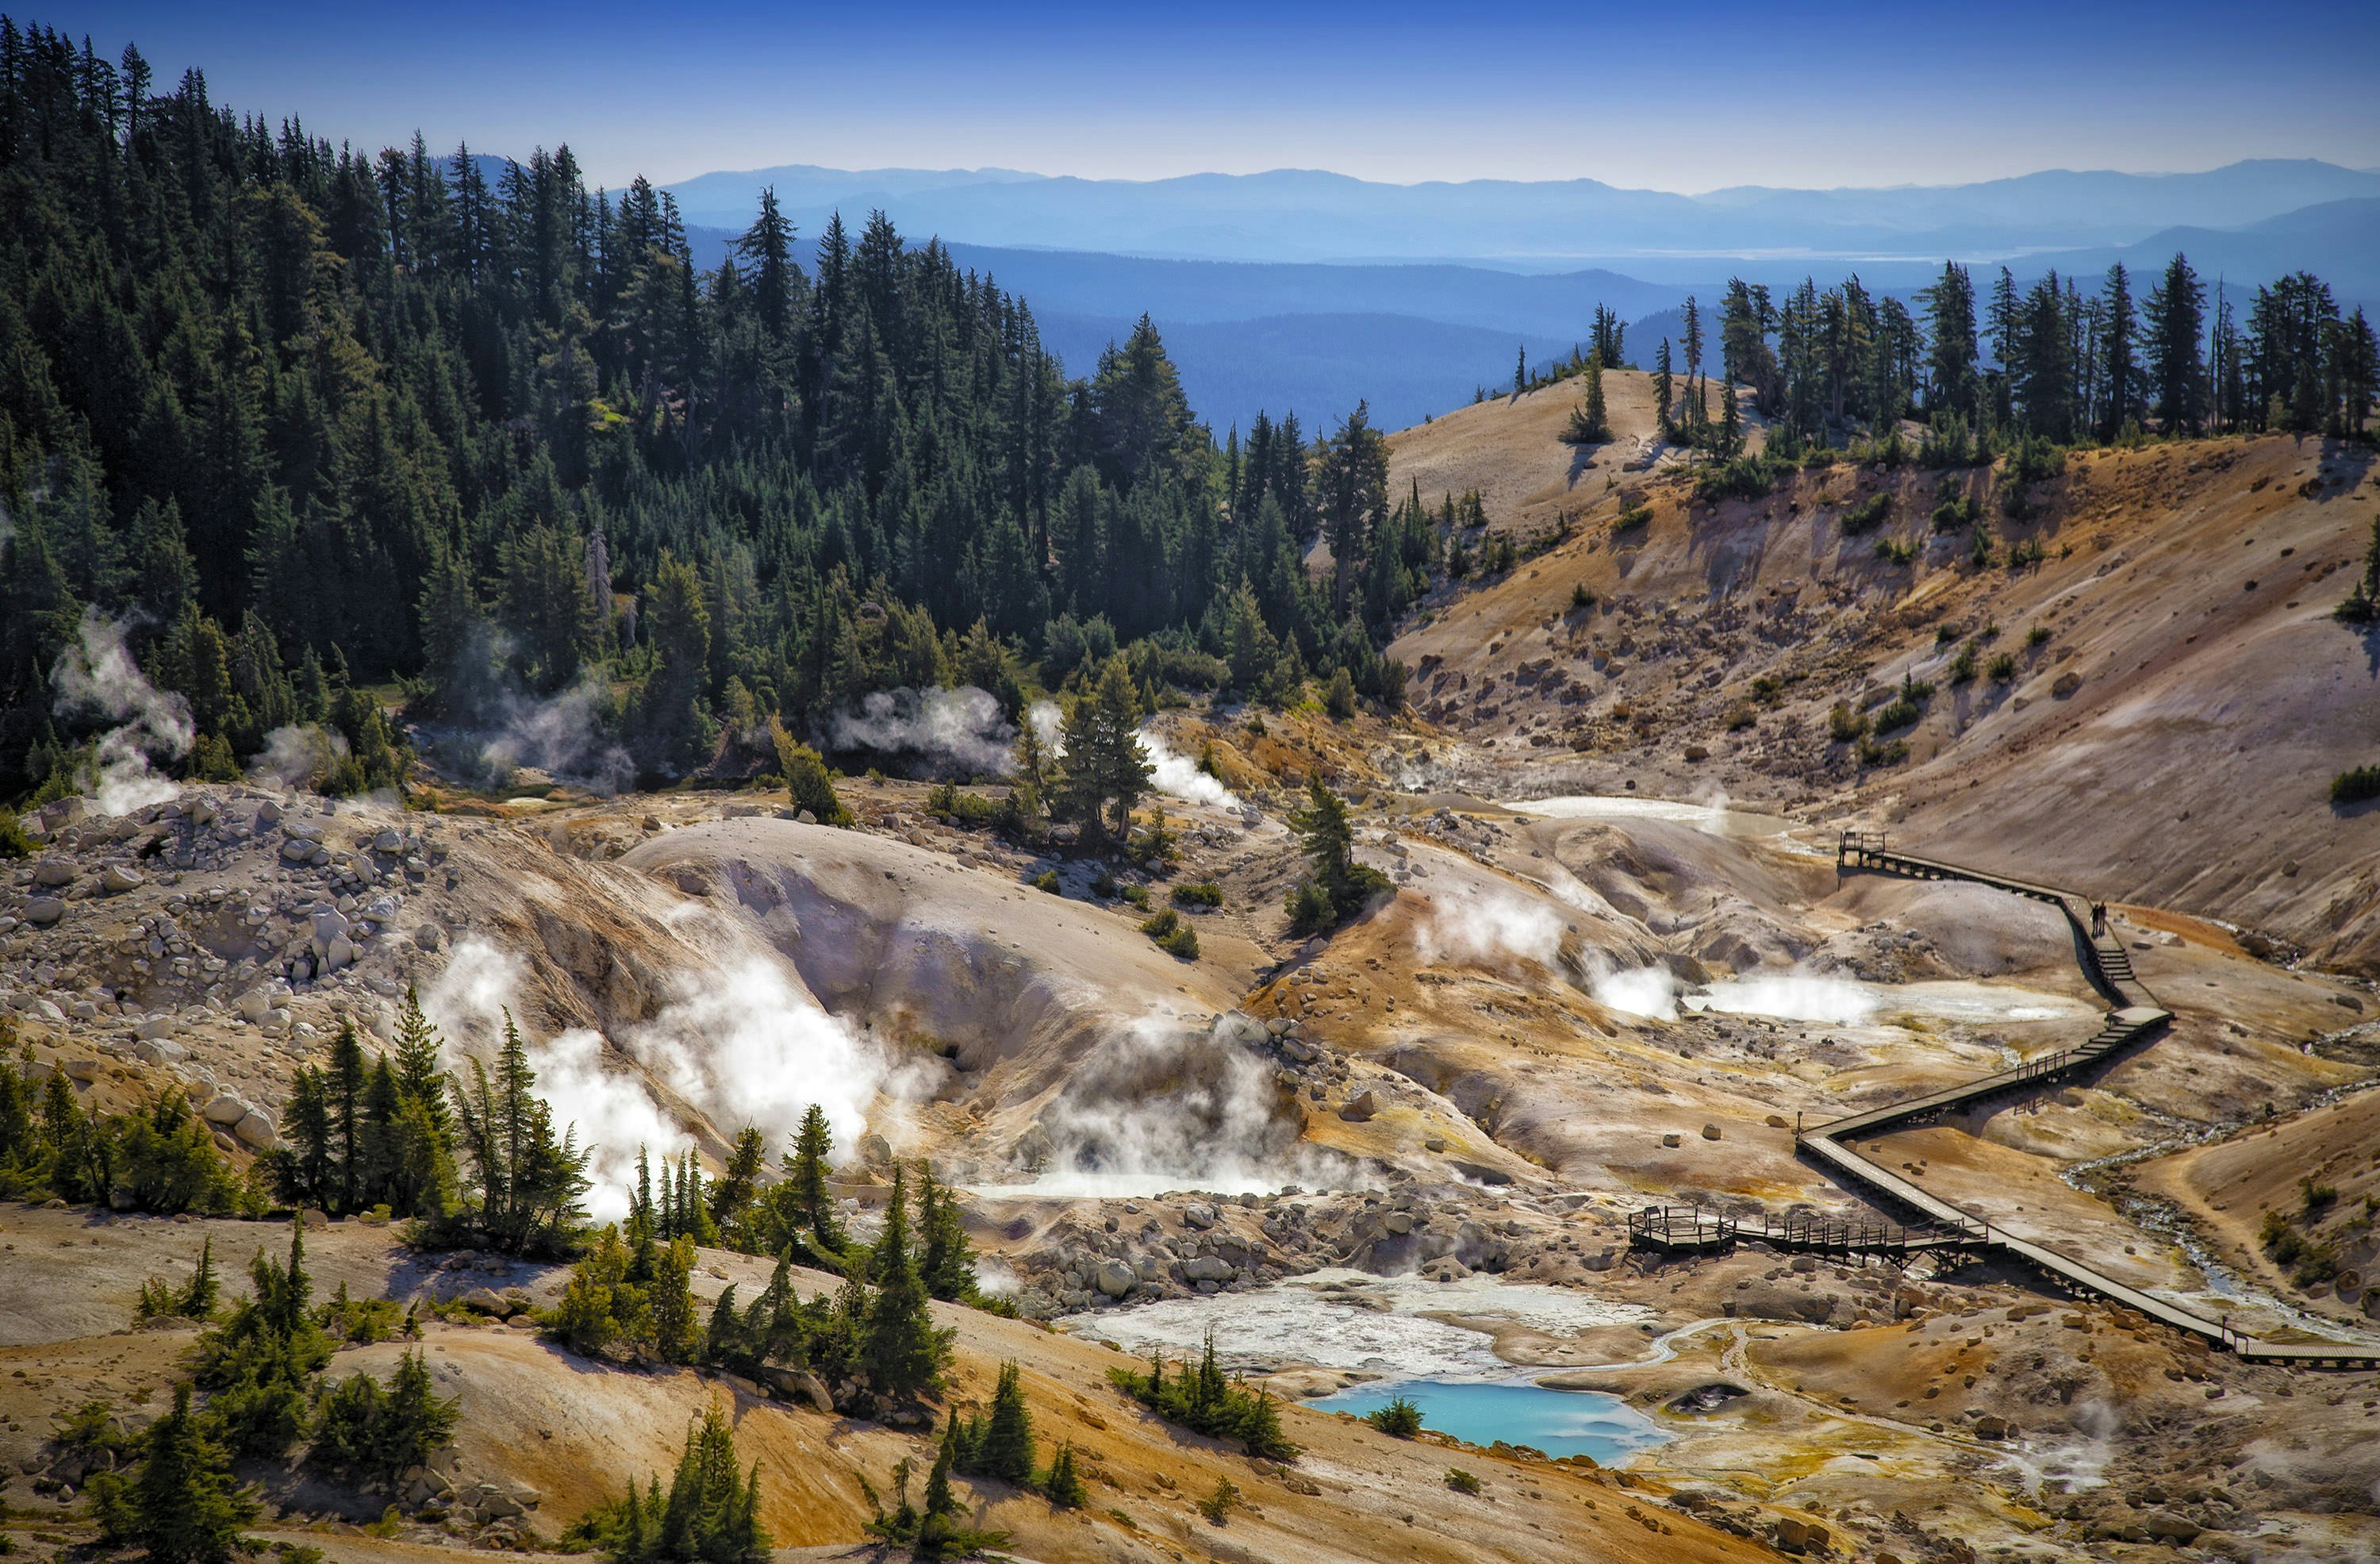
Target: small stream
(2226, 1289)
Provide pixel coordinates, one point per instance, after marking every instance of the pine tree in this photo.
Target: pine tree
(903, 1352)
(2122, 374)
(1007, 1449)
(1336, 888)
(671, 1302)
(1106, 769)
(1664, 391)
(1590, 422)
(1064, 1486)
(804, 1203)
(946, 1259)
(201, 1294)
(186, 1507)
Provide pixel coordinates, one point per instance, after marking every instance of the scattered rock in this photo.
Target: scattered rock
(44, 910)
(115, 877)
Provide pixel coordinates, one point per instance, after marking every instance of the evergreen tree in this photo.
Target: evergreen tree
(2121, 374)
(2176, 322)
(902, 1351)
(1336, 886)
(1590, 422)
(805, 1205)
(946, 1260)
(184, 1507)
(524, 1186)
(1106, 769)
(1006, 1452)
(1064, 1486)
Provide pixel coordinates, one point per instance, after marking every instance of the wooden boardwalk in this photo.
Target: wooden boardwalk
(2136, 1018)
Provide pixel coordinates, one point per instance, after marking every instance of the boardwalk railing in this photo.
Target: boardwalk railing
(2137, 1020)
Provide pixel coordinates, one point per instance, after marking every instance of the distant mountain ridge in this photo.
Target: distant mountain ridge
(1309, 215)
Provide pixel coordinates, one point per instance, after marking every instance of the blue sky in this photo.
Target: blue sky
(1659, 96)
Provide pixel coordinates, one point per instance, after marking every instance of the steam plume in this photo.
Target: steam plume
(97, 674)
(959, 731)
(741, 1044)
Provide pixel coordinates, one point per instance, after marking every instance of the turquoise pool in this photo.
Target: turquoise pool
(1560, 1423)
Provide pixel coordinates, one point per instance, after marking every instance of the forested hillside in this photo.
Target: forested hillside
(309, 421)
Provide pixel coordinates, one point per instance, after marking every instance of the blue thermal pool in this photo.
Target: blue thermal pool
(1560, 1423)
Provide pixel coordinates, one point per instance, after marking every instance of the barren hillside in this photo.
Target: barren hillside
(2176, 701)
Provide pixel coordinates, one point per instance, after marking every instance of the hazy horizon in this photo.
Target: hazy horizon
(1836, 96)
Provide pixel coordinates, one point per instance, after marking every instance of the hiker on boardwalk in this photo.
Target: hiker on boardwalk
(2098, 919)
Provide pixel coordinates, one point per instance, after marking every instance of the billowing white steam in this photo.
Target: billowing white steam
(98, 674)
(961, 732)
(1488, 927)
(297, 755)
(1171, 772)
(1178, 776)
(1183, 1108)
(1795, 995)
(561, 735)
(1049, 725)
(742, 1044)
(1650, 992)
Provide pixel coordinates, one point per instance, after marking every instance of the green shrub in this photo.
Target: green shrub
(1960, 510)
(807, 781)
(1202, 893)
(2028, 552)
(1902, 713)
(1890, 754)
(1462, 1482)
(2355, 786)
(14, 842)
(1400, 1419)
(1138, 896)
(963, 810)
(1631, 518)
(1746, 477)
(1864, 516)
(1581, 596)
(2038, 635)
(1962, 666)
(1844, 724)
(1217, 1507)
(1046, 881)
(1896, 551)
(1172, 935)
(2002, 669)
